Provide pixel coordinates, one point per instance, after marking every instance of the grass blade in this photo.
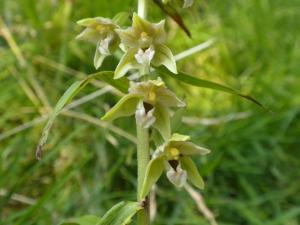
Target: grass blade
(188, 79)
(74, 89)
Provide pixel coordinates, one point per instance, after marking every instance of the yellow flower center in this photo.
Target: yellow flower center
(144, 37)
(174, 153)
(152, 96)
(102, 29)
(99, 27)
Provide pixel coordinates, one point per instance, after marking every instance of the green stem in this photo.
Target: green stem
(143, 157)
(143, 154)
(142, 8)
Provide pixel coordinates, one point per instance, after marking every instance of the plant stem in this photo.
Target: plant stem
(143, 154)
(142, 8)
(143, 157)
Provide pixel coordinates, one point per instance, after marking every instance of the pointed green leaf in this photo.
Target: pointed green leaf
(126, 63)
(164, 56)
(205, 84)
(153, 172)
(162, 122)
(120, 214)
(125, 107)
(106, 76)
(193, 175)
(83, 220)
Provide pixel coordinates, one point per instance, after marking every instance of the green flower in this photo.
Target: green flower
(144, 44)
(174, 155)
(149, 101)
(101, 32)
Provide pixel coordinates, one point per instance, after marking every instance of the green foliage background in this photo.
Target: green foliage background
(252, 175)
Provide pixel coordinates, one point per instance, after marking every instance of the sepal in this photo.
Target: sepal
(125, 107)
(98, 59)
(162, 122)
(189, 148)
(164, 56)
(126, 63)
(193, 174)
(153, 172)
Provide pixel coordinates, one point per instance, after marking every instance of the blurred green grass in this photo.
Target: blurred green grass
(252, 175)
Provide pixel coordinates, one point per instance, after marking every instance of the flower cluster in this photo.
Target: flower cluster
(142, 43)
(150, 101)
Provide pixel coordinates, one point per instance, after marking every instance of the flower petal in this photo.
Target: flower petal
(98, 59)
(177, 177)
(144, 57)
(128, 37)
(164, 56)
(89, 35)
(141, 25)
(168, 99)
(154, 170)
(158, 82)
(162, 122)
(192, 172)
(179, 137)
(150, 119)
(189, 148)
(147, 89)
(125, 107)
(147, 119)
(92, 22)
(126, 63)
(160, 33)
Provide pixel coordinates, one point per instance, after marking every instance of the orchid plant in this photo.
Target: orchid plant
(148, 99)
